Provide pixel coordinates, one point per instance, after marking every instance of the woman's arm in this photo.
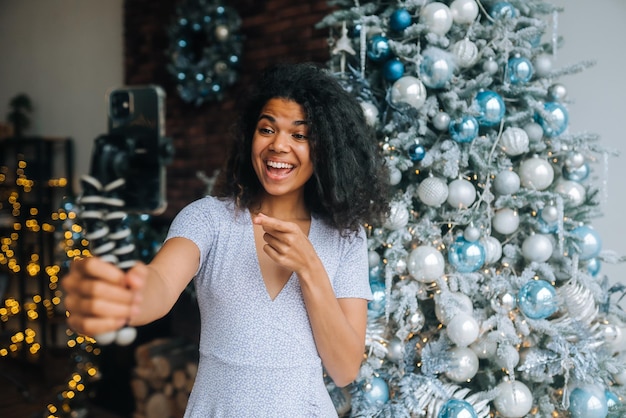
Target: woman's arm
(99, 297)
(338, 324)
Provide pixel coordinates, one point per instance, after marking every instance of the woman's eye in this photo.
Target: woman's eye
(300, 136)
(266, 131)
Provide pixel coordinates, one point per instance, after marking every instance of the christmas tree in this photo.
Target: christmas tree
(489, 298)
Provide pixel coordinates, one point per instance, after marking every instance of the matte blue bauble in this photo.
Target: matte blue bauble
(520, 70)
(466, 256)
(399, 20)
(417, 152)
(393, 69)
(556, 119)
(378, 49)
(593, 266)
(590, 242)
(491, 108)
(577, 174)
(436, 68)
(376, 391)
(588, 402)
(502, 10)
(456, 408)
(376, 306)
(537, 299)
(464, 129)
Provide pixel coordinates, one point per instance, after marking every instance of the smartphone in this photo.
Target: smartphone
(135, 146)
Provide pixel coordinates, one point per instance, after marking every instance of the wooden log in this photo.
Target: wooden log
(158, 406)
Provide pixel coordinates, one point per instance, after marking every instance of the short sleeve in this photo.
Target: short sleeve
(195, 222)
(352, 276)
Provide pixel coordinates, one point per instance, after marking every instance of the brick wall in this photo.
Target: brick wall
(273, 30)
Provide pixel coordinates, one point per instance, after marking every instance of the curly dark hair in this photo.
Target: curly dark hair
(349, 186)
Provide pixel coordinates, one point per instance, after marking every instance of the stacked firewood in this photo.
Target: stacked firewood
(163, 377)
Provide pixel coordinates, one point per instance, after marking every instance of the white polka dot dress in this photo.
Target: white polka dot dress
(257, 355)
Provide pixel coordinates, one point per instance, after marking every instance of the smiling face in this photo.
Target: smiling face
(281, 153)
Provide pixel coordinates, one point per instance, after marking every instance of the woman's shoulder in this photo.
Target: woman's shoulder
(210, 206)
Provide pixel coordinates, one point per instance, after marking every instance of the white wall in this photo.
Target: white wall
(66, 53)
(595, 30)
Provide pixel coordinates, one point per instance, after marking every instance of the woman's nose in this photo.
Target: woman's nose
(280, 143)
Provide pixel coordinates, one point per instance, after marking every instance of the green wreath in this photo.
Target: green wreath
(205, 50)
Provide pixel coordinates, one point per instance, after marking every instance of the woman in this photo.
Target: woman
(278, 256)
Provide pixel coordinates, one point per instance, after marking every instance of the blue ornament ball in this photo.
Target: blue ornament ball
(537, 299)
(612, 400)
(376, 306)
(378, 49)
(393, 69)
(491, 108)
(588, 402)
(457, 408)
(520, 70)
(589, 242)
(436, 68)
(555, 120)
(577, 174)
(399, 20)
(593, 266)
(417, 152)
(463, 129)
(466, 256)
(503, 10)
(376, 391)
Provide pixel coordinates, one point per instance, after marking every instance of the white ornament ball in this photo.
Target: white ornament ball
(574, 160)
(373, 259)
(536, 173)
(395, 350)
(395, 176)
(620, 377)
(410, 90)
(514, 399)
(505, 221)
(441, 121)
(126, 336)
(490, 66)
(370, 111)
(514, 141)
(543, 65)
(493, 249)
(466, 53)
(106, 338)
(506, 182)
(471, 234)
(437, 17)
(401, 266)
(463, 364)
(398, 216)
(571, 190)
(484, 347)
(461, 194)
(462, 304)
(550, 214)
(534, 131)
(462, 330)
(537, 247)
(509, 361)
(433, 191)
(464, 12)
(426, 264)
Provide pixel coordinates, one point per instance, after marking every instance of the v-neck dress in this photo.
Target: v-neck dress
(257, 355)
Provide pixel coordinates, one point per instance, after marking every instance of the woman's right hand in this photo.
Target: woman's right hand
(100, 297)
